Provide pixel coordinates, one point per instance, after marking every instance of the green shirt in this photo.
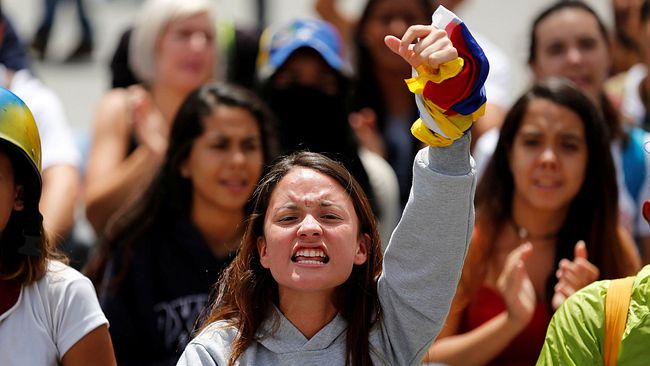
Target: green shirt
(576, 335)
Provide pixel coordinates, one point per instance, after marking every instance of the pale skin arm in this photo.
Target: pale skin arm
(95, 348)
(112, 178)
(485, 342)
(61, 186)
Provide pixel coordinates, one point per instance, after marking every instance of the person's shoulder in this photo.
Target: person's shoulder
(34, 92)
(113, 111)
(211, 347)
(59, 282)
(644, 273)
(216, 338)
(581, 315)
(60, 278)
(642, 283)
(118, 100)
(24, 81)
(222, 330)
(58, 271)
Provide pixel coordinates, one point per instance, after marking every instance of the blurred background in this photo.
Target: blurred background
(79, 85)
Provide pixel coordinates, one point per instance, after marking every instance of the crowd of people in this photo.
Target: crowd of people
(336, 191)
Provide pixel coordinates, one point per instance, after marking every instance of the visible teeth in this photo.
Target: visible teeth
(310, 253)
(309, 262)
(310, 256)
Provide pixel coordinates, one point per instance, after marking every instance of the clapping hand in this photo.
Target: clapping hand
(573, 275)
(515, 286)
(149, 125)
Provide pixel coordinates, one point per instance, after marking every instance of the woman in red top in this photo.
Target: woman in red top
(547, 225)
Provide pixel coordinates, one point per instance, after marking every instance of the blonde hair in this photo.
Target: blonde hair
(150, 23)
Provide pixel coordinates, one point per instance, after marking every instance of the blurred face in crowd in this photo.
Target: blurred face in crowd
(391, 17)
(311, 235)
(225, 162)
(569, 43)
(548, 158)
(305, 67)
(186, 52)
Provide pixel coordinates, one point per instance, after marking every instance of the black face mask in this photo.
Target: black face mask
(310, 119)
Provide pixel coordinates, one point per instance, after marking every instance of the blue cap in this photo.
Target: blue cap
(277, 44)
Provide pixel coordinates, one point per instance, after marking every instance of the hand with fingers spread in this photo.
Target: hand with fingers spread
(574, 275)
(516, 287)
(432, 46)
(149, 124)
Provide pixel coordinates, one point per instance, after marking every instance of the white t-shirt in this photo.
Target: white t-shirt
(50, 316)
(57, 142)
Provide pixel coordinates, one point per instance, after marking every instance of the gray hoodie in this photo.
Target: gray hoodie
(422, 266)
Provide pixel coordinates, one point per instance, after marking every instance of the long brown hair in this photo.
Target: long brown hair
(247, 291)
(593, 212)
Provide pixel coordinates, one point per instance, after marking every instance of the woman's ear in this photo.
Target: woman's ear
(261, 249)
(19, 200)
(363, 244)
